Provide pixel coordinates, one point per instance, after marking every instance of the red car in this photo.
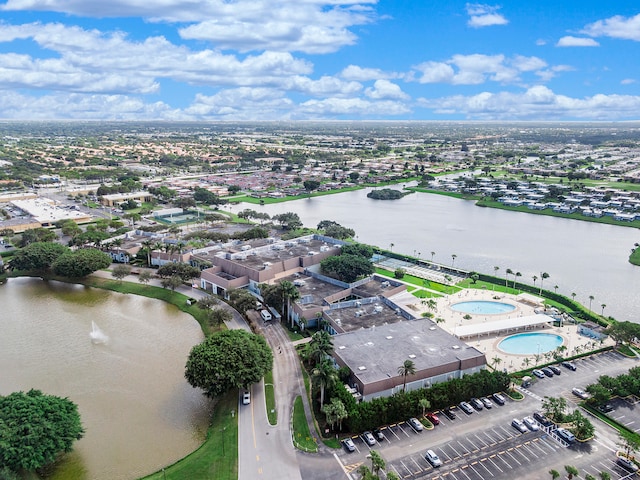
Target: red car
(433, 418)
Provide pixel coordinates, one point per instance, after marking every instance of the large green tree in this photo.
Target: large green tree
(81, 263)
(38, 256)
(35, 428)
(227, 360)
(347, 267)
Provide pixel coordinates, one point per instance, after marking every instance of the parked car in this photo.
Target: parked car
(378, 434)
(570, 365)
(246, 398)
(555, 369)
(486, 402)
(627, 464)
(369, 438)
(531, 424)
(519, 425)
(476, 403)
(466, 408)
(565, 435)
(433, 418)
(349, 445)
(538, 373)
(432, 458)
(416, 424)
(606, 408)
(498, 398)
(544, 421)
(450, 414)
(547, 371)
(578, 392)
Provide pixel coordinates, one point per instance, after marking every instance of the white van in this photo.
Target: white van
(266, 315)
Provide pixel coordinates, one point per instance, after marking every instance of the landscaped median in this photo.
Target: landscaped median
(302, 438)
(270, 399)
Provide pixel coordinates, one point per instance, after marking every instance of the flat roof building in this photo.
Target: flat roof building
(373, 356)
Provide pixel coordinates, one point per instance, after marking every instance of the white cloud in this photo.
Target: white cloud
(536, 103)
(360, 74)
(476, 69)
(628, 81)
(615, 27)
(311, 26)
(329, 107)
(484, 15)
(385, 90)
(570, 41)
(540, 42)
(242, 103)
(324, 86)
(87, 62)
(83, 106)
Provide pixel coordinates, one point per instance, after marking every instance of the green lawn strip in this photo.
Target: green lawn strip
(461, 196)
(217, 458)
(420, 282)
(270, 398)
(302, 438)
(634, 258)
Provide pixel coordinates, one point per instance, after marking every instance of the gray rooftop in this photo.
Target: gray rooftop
(381, 350)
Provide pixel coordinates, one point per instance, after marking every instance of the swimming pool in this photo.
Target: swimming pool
(530, 343)
(483, 307)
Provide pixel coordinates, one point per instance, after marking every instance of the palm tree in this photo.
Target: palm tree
(407, 368)
(147, 244)
(534, 280)
(325, 376)
(591, 298)
(543, 276)
(603, 306)
(605, 476)
(507, 272)
(431, 304)
(432, 255)
(495, 361)
(573, 296)
(289, 293)
(518, 274)
(424, 404)
(453, 259)
(571, 471)
(554, 474)
(526, 361)
(320, 346)
(555, 288)
(391, 245)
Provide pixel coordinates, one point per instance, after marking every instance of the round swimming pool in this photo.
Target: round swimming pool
(483, 307)
(530, 343)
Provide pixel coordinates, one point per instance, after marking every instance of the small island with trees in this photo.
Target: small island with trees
(386, 194)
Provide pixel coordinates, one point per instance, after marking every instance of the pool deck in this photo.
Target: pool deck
(488, 343)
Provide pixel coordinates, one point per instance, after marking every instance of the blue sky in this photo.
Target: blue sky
(319, 59)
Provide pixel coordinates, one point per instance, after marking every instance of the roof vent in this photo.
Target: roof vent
(456, 347)
(432, 328)
(362, 367)
(369, 344)
(341, 347)
(411, 355)
(389, 337)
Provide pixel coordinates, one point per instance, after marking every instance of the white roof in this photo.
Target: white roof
(515, 323)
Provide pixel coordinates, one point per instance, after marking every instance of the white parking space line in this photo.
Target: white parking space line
(490, 459)
(403, 431)
(394, 433)
(527, 447)
(550, 445)
(504, 460)
(396, 471)
(480, 440)
(475, 447)
(482, 464)
(458, 454)
(477, 473)
(444, 454)
(420, 468)
(539, 448)
(465, 448)
(463, 473)
(507, 452)
(499, 434)
(406, 468)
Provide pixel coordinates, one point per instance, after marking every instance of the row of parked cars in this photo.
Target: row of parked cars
(480, 403)
(552, 370)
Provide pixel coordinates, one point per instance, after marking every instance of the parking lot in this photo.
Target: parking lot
(485, 445)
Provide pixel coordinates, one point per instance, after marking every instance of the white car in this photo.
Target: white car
(246, 398)
(416, 424)
(369, 438)
(578, 392)
(521, 427)
(433, 459)
(531, 424)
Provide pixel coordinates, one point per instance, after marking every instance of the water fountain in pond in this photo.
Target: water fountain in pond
(97, 335)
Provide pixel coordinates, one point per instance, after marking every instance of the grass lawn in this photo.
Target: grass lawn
(217, 458)
(635, 257)
(302, 438)
(420, 282)
(270, 398)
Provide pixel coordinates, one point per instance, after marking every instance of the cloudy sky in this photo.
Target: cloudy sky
(319, 59)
